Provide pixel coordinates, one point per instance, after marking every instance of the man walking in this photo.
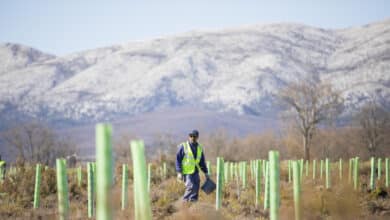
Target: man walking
(189, 159)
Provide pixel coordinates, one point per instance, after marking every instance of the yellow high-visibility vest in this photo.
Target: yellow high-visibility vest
(189, 162)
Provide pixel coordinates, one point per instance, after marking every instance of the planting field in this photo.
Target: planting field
(267, 188)
(341, 201)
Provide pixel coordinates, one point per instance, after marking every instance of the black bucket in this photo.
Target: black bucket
(208, 186)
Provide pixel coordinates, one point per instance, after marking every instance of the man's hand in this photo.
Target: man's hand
(179, 177)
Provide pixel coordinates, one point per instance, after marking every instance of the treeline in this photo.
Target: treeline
(35, 142)
(332, 143)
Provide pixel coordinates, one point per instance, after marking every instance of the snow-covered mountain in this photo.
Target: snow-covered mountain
(14, 57)
(233, 70)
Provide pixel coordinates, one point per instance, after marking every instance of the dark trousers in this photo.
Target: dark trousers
(192, 182)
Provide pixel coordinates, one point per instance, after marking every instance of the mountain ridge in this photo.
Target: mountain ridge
(231, 70)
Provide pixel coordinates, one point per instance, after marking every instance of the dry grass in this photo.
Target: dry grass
(340, 202)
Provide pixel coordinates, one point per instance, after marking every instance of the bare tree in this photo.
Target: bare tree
(291, 139)
(35, 142)
(122, 148)
(164, 146)
(311, 102)
(215, 143)
(374, 121)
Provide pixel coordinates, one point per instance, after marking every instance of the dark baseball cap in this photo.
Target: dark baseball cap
(194, 133)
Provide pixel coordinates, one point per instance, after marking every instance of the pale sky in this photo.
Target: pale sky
(63, 27)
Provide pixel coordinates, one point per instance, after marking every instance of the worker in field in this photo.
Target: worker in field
(3, 165)
(189, 160)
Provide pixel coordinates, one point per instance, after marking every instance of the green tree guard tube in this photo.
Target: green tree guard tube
(141, 196)
(94, 178)
(314, 169)
(274, 174)
(237, 180)
(327, 173)
(226, 172)
(208, 167)
(104, 170)
(149, 175)
(254, 162)
(307, 168)
(350, 170)
(387, 171)
(231, 171)
(90, 189)
(379, 168)
(372, 173)
(125, 173)
(62, 189)
(236, 171)
(321, 168)
(218, 199)
(356, 173)
(165, 170)
(244, 175)
(297, 191)
(248, 168)
(301, 167)
(341, 169)
(258, 182)
(79, 176)
(266, 187)
(253, 171)
(240, 169)
(37, 185)
(289, 170)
